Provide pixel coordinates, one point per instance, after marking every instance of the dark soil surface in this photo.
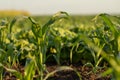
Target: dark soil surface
(86, 73)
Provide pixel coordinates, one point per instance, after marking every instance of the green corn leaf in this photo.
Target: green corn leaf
(36, 28)
(3, 55)
(47, 25)
(54, 18)
(29, 71)
(107, 72)
(12, 23)
(3, 51)
(71, 54)
(32, 20)
(114, 31)
(1, 65)
(109, 23)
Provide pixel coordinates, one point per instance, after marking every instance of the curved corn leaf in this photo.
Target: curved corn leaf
(12, 23)
(109, 23)
(61, 69)
(29, 71)
(114, 31)
(36, 28)
(54, 18)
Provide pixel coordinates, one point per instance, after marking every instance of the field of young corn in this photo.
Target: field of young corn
(44, 48)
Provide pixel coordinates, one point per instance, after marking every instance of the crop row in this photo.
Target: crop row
(60, 40)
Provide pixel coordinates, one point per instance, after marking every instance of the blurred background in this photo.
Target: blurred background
(49, 7)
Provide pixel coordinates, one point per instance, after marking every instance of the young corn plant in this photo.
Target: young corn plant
(3, 30)
(6, 48)
(112, 46)
(36, 60)
(114, 61)
(59, 38)
(80, 51)
(41, 41)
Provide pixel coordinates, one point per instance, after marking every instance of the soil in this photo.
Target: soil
(86, 73)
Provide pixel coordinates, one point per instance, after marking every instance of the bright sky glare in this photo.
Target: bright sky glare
(70, 6)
